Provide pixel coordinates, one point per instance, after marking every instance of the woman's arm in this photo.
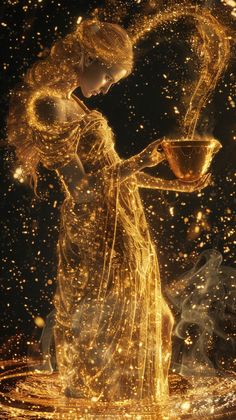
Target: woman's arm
(83, 187)
(76, 182)
(148, 181)
(146, 158)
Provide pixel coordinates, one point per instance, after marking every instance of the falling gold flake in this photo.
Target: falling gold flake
(39, 321)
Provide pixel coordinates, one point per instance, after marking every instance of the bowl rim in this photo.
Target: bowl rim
(191, 143)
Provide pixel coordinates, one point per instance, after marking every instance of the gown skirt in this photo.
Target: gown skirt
(113, 327)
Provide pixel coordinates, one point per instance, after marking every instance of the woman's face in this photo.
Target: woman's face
(97, 78)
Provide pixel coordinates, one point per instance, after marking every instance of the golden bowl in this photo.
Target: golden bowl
(190, 159)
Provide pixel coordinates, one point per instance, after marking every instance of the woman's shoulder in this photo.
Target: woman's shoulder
(48, 110)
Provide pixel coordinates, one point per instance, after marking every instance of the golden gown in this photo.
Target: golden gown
(113, 327)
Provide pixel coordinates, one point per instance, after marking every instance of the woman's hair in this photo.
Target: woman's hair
(107, 42)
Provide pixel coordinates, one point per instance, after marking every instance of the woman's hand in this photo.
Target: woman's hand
(150, 156)
(192, 186)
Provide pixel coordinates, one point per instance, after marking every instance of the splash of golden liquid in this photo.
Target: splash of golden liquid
(214, 53)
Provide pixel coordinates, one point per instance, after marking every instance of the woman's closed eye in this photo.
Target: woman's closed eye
(108, 78)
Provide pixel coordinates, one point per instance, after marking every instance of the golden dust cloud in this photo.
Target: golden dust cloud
(214, 52)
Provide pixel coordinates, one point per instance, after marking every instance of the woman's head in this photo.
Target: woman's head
(97, 78)
(107, 56)
(94, 56)
(108, 42)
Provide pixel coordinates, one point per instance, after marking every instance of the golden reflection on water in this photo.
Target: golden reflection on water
(27, 393)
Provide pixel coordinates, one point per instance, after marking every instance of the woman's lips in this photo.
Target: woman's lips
(95, 92)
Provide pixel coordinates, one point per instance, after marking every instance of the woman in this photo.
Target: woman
(113, 327)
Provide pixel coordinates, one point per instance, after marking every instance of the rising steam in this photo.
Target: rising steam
(205, 303)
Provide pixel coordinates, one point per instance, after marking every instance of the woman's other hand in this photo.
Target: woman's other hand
(151, 156)
(192, 186)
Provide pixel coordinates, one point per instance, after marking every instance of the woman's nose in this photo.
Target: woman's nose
(106, 88)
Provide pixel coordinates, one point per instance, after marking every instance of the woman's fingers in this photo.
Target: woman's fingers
(192, 186)
(150, 155)
(153, 146)
(156, 156)
(203, 182)
(155, 143)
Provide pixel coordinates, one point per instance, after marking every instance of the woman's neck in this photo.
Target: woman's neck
(65, 88)
(70, 80)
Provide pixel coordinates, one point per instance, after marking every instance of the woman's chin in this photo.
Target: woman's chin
(86, 93)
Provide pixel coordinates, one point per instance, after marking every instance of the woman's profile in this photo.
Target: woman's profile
(112, 326)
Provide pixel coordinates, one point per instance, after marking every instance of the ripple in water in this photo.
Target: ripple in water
(28, 393)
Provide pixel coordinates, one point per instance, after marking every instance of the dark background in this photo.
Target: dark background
(139, 111)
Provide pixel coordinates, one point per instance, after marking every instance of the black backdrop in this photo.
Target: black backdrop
(139, 111)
